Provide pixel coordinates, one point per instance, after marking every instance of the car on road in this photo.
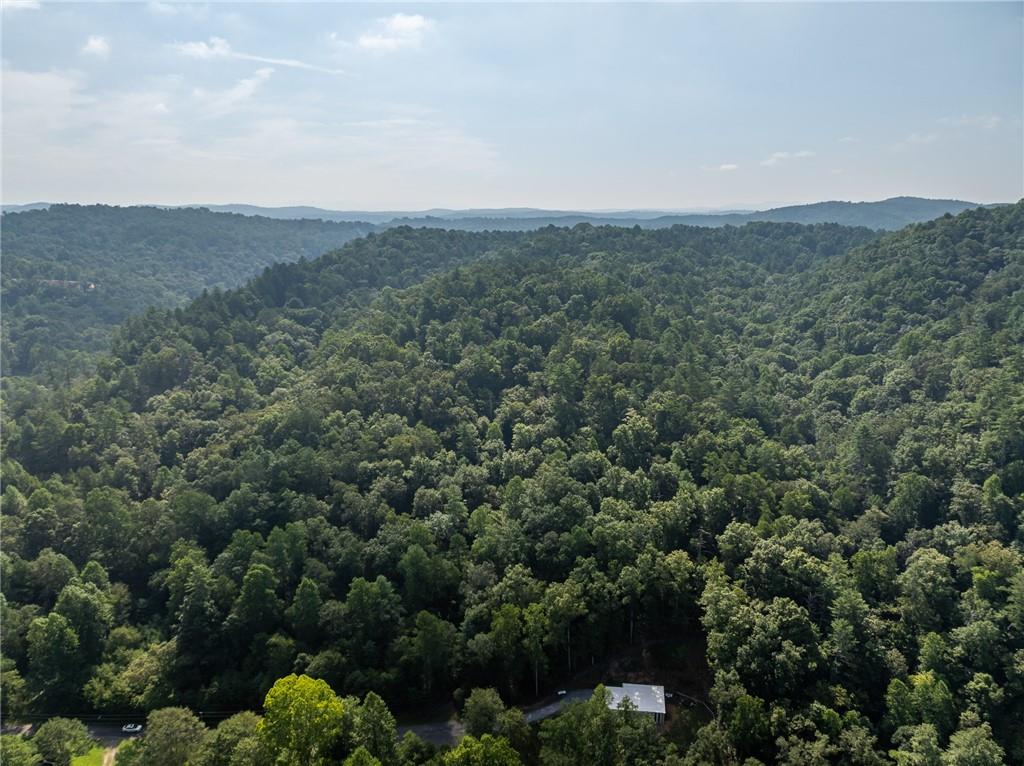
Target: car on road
(132, 728)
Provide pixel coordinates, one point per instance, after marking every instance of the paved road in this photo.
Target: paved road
(440, 732)
(108, 734)
(437, 732)
(551, 708)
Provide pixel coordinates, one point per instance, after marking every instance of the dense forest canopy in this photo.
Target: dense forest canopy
(72, 273)
(438, 461)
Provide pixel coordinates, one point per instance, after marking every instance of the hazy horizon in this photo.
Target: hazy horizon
(413, 107)
(695, 210)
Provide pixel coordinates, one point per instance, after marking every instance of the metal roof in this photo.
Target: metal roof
(646, 699)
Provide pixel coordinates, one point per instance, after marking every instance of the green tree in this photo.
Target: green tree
(59, 740)
(918, 746)
(257, 609)
(536, 629)
(973, 747)
(372, 612)
(302, 720)
(54, 664)
(93, 573)
(413, 750)
(585, 732)
(304, 613)
(131, 753)
(428, 650)
(89, 613)
(926, 699)
(485, 751)
(199, 620)
(564, 604)
(634, 440)
(481, 712)
(18, 751)
(361, 757)
(14, 695)
(221, 746)
(50, 573)
(507, 637)
(913, 502)
(375, 729)
(926, 590)
(750, 726)
(172, 736)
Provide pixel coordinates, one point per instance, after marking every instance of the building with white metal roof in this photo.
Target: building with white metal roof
(645, 699)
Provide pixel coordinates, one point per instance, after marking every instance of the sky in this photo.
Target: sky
(563, 106)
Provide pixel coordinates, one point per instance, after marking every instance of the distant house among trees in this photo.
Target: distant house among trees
(69, 283)
(644, 698)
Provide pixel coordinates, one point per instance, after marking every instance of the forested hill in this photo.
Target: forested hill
(434, 461)
(892, 213)
(72, 273)
(321, 294)
(889, 214)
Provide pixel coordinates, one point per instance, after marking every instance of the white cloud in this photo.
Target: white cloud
(20, 5)
(53, 127)
(776, 158)
(60, 133)
(406, 24)
(190, 11)
(725, 167)
(849, 140)
(915, 139)
(386, 123)
(96, 46)
(36, 103)
(163, 9)
(219, 48)
(219, 103)
(985, 121)
(392, 33)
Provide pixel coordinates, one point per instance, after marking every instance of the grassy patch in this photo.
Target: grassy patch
(93, 758)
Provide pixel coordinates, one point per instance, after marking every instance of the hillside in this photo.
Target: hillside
(71, 274)
(433, 461)
(888, 214)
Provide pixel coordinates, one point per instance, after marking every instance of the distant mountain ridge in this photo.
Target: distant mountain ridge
(889, 214)
(72, 273)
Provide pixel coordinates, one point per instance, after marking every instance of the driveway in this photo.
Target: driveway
(556, 704)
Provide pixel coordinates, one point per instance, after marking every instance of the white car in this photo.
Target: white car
(132, 728)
